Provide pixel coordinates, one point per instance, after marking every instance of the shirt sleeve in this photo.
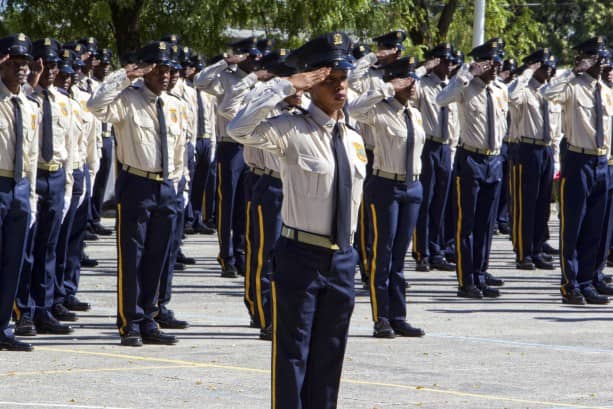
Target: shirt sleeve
(233, 100)
(208, 79)
(517, 89)
(454, 91)
(105, 103)
(558, 89)
(361, 108)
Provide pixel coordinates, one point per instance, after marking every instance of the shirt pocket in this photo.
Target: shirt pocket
(586, 106)
(359, 174)
(145, 127)
(315, 176)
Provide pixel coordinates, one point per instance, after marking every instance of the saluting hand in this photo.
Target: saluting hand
(535, 66)
(382, 54)
(479, 68)
(583, 64)
(237, 58)
(4, 58)
(134, 71)
(305, 80)
(263, 75)
(400, 84)
(37, 67)
(430, 64)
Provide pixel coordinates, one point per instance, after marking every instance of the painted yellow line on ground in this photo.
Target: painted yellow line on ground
(91, 370)
(190, 364)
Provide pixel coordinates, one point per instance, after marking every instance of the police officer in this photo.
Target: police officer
(439, 123)
(150, 150)
(536, 125)
(18, 162)
(483, 108)
(322, 169)
(587, 106)
(395, 193)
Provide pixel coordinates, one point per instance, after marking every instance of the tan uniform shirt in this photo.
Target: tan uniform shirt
(90, 127)
(30, 114)
(133, 113)
(303, 143)
(428, 88)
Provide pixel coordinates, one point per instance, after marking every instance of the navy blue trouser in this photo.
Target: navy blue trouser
(188, 217)
(607, 236)
(265, 230)
(502, 213)
(313, 298)
(102, 178)
(231, 171)
(249, 183)
(65, 234)
(40, 267)
(477, 180)
(14, 222)
(535, 176)
(72, 273)
(146, 216)
(394, 208)
(583, 203)
(209, 205)
(363, 234)
(199, 195)
(435, 178)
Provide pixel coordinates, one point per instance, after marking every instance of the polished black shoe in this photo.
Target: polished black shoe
(442, 264)
(168, 321)
(542, 264)
(100, 230)
(253, 324)
(52, 326)
(607, 278)
(470, 291)
(490, 292)
(527, 264)
(241, 270)
(179, 266)
(204, 229)
(546, 257)
(383, 329)
(592, 297)
(493, 281)
(504, 228)
(422, 265)
(610, 261)
(550, 250)
(88, 262)
(229, 271)
(11, 344)
(404, 329)
(182, 258)
(62, 313)
(74, 304)
(158, 337)
(89, 236)
(189, 229)
(573, 297)
(131, 339)
(25, 328)
(266, 333)
(603, 288)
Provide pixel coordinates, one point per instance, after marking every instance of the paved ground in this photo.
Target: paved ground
(524, 350)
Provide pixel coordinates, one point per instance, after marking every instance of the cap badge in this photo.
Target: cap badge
(338, 39)
(47, 41)
(398, 34)
(21, 37)
(162, 46)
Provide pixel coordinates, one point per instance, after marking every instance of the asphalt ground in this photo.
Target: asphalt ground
(523, 350)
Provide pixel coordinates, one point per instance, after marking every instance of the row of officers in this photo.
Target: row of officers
(383, 150)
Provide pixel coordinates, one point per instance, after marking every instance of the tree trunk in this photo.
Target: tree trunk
(126, 23)
(446, 18)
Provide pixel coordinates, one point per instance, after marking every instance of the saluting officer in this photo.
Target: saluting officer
(19, 119)
(395, 192)
(483, 106)
(322, 169)
(150, 150)
(587, 106)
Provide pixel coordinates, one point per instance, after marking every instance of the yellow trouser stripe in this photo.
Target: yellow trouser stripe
(511, 201)
(458, 233)
(248, 258)
(515, 207)
(363, 237)
(562, 230)
(273, 371)
(258, 271)
(520, 221)
(417, 254)
(17, 311)
(203, 207)
(373, 266)
(120, 305)
(219, 210)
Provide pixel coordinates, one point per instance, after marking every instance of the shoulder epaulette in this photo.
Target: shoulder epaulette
(172, 94)
(31, 98)
(63, 92)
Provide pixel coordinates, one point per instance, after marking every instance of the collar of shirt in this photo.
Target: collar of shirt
(480, 83)
(534, 84)
(588, 80)
(396, 106)
(38, 90)
(148, 94)
(435, 78)
(5, 93)
(322, 119)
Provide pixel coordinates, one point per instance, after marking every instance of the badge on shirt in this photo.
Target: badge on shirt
(63, 109)
(84, 106)
(33, 121)
(359, 150)
(173, 115)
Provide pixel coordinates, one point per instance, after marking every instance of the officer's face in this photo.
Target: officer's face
(14, 71)
(63, 81)
(49, 74)
(607, 74)
(101, 70)
(189, 72)
(158, 79)
(443, 69)
(543, 74)
(330, 94)
(174, 77)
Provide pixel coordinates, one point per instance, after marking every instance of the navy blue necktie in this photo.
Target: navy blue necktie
(89, 86)
(18, 167)
(200, 114)
(47, 150)
(491, 120)
(599, 117)
(410, 145)
(444, 118)
(163, 137)
(546, 126)
(341, 228)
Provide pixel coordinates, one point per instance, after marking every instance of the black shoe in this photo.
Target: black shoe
(383, 329)
(266, 333)
(542, 264)
(182, 258)
(546, 257)
(100, 230)
(11, 344)
(189, 230)
(610, 261)
(89, 236)
(131, 339)
(573, 297)
(490, 292)
(62, 313)
(170, 322)
(25, 327)
(204, 229)
(493, 281)
(504, 228)
(470, 291)
(72, 303)
(404, 329)
(550, 250)
(423, 265)
(179, 266)
(603, 288)
(211, 224)
(253, 324)
(158, 337)
(88, 262)
(50, 325)
(607, 278)
(241, 270)
(527, 264)
(442, 264)
(450, 257)
(229, 271)
(592, 297)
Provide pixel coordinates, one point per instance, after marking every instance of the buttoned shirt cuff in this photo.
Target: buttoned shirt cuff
(251, 80)
(283, 87)
(464, 75)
